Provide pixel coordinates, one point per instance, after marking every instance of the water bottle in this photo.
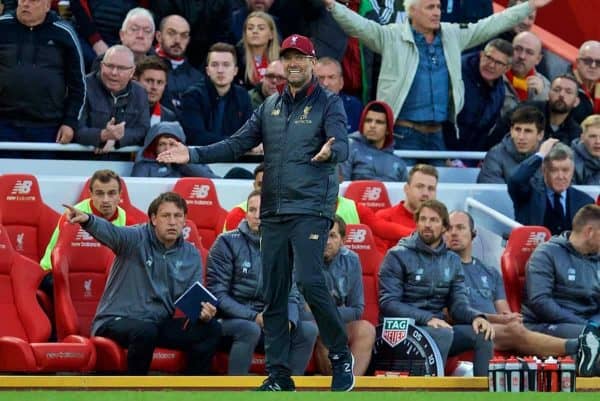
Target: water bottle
(530, 367)
(551, 378)
(514, 379)
(496, 374)
(567, 374)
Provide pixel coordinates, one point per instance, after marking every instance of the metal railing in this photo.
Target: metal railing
(72, 147)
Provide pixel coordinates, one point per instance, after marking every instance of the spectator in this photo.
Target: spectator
(526, 135)
(371, 154)
(172, 40)
(42, 87)
(485, 290)
(214, 109)
(158, 140)
(563, 287)
(555, 203)
(343, 275)
(151, 72)
(587, 72)
(557, 110)
(274, 76)
(587, 152)
(259, 46)
(235, 274)
(420, 186)
(522, 82)
(210, 22)
(105, 195)
(408, 82)
(420, 277)
(552, 64)
(329, 72)
(99, 22)
(482, 75)
(240, 16)
(153, 266)
(116, 109)
(137, 34)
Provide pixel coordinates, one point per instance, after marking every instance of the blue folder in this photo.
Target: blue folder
(190, 302)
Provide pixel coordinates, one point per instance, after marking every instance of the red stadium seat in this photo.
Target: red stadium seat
(204, 208)
(521, 244)
(81, 267)
(133, 212)
(359, 238)
(25, 329)
(28, 220)
(372, 194)
(190, 233)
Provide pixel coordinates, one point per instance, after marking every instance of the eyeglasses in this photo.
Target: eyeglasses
(496, 63)
(137, 28)
(275, 77)
(295, 57)
(119, 68)
(590, 62)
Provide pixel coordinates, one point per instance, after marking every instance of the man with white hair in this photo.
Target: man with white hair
(587, 72)
(418, 65)
(116, 108)
(99, 23)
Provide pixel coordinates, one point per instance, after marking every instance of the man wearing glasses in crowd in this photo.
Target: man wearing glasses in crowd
(273, 78)
(587, 72)
(482, 75)
(116, 108)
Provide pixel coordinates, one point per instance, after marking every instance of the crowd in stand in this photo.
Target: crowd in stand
(157, 74)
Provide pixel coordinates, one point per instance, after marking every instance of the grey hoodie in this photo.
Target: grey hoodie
(147, 166)
(146, 278)
(418, 282)
(563, 286)
(587, 167)
(501, 161)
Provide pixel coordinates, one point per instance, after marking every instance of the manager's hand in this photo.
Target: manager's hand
(177, 153)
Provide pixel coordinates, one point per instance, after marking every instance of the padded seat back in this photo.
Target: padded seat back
(359, 238)
(204, 208)
(370, 193)
(21, 315)
(521, 244)
(27, 219)
(81, 267)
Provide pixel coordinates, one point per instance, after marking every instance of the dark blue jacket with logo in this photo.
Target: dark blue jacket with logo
(563, 285)
(235, 275)
(418, 282)
(292, 130)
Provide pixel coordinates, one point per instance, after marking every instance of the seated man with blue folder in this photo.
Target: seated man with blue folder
(153, 266)
(235, 275)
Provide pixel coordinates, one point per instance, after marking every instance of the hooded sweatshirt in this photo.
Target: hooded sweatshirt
(367, 162)
(145, 161)
(418, 282)
(563, 285)
(501, 161)
(587, 167)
